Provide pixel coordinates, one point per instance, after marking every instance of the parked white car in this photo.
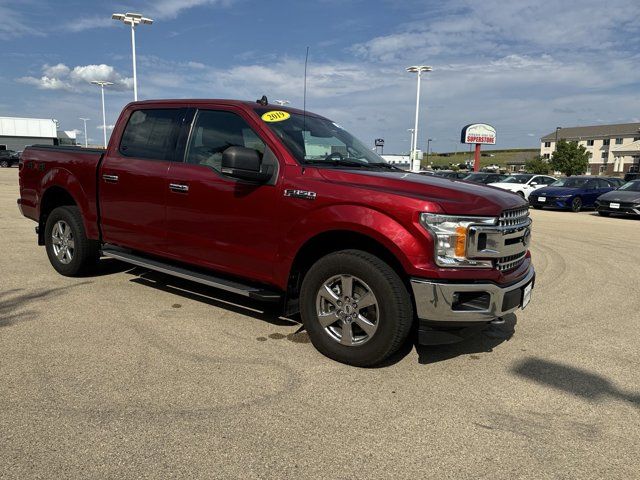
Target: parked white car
(524, 183)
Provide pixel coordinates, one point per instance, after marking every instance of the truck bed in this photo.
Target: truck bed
(74, 168)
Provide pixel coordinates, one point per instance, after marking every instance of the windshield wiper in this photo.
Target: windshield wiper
(351, 163)
(385, 165)
(334, 162)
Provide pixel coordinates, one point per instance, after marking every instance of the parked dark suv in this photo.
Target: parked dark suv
(8, 158)
(631, 176)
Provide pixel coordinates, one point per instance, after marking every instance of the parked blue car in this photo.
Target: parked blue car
(574, 193)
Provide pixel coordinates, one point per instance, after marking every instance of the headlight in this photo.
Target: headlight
(450, 233)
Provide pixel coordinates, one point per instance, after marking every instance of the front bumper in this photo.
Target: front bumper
(553, 202)
(623, 207)
(463, 303)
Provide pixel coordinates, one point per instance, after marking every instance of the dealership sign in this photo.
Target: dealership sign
(478, 133)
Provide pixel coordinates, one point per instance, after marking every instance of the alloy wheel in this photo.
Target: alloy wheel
(348, 310)
(63, 242)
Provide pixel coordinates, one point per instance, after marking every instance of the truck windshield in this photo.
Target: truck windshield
(318, 140)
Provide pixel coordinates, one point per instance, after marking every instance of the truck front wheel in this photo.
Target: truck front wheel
(69, 250)
(355, 308)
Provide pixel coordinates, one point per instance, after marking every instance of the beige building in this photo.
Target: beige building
(612, 148)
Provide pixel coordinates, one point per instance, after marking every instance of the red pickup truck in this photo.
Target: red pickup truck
(283, 205)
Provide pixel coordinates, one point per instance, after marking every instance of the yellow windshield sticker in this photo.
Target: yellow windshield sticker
(275, 116)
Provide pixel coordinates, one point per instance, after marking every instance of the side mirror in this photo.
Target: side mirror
(533, 184)
(244, 163)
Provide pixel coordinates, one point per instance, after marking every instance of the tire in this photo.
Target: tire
(603, 214)
(69, 250)
(576, 204)
(4, 164)
(387, 322)
(521, 194)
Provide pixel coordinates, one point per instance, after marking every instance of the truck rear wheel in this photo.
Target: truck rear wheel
(69, 250)
(355, 308)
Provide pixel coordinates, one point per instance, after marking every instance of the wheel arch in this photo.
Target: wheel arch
(53, 197)
(59, 187)
(331, 241)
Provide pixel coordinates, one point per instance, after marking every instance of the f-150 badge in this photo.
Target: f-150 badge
(300, 194)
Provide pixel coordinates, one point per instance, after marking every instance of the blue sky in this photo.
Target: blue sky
(524, 66)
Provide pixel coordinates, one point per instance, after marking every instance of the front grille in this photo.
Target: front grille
(514, 218)
(517, 219)
(509, 263)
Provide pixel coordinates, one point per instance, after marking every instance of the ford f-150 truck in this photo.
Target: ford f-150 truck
(283, 205)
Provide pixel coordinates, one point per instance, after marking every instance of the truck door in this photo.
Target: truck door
(214, 220)
(133, 180)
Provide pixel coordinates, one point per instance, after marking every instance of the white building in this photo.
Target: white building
(17, 133)
(400, 160)
(612, 148)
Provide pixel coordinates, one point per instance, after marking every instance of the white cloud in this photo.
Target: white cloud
(168, 9)
(89, 23)
(59, 70)
(13, 24)
(467, 28)
(62, 77)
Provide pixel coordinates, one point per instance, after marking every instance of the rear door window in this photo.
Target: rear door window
(151, 134)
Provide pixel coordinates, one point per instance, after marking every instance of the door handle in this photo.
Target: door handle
(178, 187)
(110, 178)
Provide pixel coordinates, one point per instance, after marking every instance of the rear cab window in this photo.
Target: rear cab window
(151, 134)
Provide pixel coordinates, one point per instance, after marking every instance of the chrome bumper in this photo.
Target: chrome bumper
(467, 302)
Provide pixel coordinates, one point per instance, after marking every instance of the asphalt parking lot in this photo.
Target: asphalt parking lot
(131, 374)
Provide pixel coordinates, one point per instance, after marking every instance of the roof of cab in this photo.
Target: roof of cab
(220, 101)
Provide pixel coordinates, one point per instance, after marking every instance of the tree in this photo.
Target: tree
(570, 158)
(537, 165)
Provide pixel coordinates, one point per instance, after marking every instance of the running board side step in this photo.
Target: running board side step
(232, 286)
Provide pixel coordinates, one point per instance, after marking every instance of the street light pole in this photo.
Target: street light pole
(104, 118)
(415, 164)
(85, 120)
(429, 140)
(411, 144)
(133, 19)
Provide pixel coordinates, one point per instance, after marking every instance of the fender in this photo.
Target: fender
(407, 247)
(86, 202)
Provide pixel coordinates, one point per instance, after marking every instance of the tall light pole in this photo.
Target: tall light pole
(411, 145)
(103, 84)
(415, 164)
(133, 19)
(85, 120)
(282, 102)
(429, 140)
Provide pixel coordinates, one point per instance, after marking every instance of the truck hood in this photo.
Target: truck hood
(620, 196)
(455, 197)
